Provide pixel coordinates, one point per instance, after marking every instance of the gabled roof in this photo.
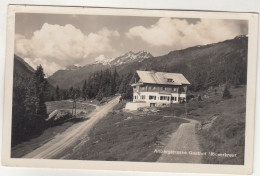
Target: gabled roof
(152, 77)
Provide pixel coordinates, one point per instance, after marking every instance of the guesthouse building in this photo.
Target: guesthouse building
(158, 89)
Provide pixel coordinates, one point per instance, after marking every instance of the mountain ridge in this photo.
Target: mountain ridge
(74, 74)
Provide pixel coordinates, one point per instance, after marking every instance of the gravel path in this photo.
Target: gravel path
(183, 145)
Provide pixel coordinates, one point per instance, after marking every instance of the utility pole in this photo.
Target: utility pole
(74, 107)
(186, 107)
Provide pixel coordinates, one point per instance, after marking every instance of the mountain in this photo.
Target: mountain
(131, 57)
(203, 65)
(103, 60)
(23, 70)
(21, 67)
(73, 67)
(71, 77)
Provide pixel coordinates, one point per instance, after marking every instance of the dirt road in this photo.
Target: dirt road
(183, 145)
(73, 135)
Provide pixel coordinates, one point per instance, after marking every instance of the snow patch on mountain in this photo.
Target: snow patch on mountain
(101, 59)
(126, 58)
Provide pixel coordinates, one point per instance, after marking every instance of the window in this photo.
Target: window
(174, 89)
(151, 88)
(143, 97)
(173, 98)
(163, 97)
(163, 88)
(181, 89)
(152, 104)
(143, 88)
(169, 80)
(152, 97)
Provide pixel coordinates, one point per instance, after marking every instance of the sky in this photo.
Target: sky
(59, 40)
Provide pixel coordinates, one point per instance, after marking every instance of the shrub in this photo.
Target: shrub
(226, 93)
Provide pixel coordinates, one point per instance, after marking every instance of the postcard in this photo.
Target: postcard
(130, 89)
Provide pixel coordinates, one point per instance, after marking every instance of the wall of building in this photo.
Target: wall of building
(156, 88)
(158, 99)
(133, 106)
(160, 88)
(158, 95)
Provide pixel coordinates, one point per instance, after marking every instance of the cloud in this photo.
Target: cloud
(49, 67)
(180, 34)
(60, 46)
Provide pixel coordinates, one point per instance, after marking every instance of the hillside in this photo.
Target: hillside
(23, 70)
(21, 67)
(68, 78)
(205, 66)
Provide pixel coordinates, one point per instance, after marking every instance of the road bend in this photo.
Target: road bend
(72, 135)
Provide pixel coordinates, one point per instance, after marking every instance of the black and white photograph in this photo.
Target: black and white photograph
(130, 88)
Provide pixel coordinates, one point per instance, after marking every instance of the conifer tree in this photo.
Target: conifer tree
(41, 91)
(31, 101)
(58, 97)
(99, 96)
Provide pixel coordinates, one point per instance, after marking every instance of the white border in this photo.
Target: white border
(133, 166)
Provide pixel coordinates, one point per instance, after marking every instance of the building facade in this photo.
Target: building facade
(159, 88)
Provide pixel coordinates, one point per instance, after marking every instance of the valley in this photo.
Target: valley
(45, 127)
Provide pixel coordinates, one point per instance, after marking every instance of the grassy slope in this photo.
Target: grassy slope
(127, 137)
(227, 134)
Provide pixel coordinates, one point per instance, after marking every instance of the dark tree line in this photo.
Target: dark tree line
(65, 94)
(29, 109)
(202, 74)
(100, 84)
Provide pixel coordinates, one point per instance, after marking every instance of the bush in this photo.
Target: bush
(226, 93)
